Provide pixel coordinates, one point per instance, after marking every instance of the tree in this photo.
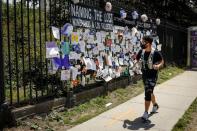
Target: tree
(59, 12)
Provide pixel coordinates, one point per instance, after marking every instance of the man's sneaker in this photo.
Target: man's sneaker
(145, 116)
(155, 108)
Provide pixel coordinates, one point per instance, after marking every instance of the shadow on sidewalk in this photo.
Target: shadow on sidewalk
(137, 124)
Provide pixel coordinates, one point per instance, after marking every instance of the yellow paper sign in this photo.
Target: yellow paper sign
(75, 37)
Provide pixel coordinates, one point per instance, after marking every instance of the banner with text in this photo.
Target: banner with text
(82, 16)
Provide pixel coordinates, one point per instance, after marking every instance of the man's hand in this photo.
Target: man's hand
(156, 67)
(159, 65)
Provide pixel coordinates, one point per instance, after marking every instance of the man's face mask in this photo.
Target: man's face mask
(144, 45)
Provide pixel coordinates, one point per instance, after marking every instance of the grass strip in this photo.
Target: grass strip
(182, 124)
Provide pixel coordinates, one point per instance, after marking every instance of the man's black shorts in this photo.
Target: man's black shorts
(149, 83)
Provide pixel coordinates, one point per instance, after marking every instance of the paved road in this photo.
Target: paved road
(174, 97)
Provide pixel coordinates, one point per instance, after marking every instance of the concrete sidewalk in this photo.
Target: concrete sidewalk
(174, 97)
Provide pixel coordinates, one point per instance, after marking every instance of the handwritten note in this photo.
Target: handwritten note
(101, 46)
(82, 46)
(52, 50)
(95, 50)
(74, 55)
(74, 72)
(65, 75)
(121, 61)
(107, 78)
(117, 48)
(98, 37)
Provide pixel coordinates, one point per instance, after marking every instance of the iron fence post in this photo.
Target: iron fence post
(7, 119)
(2, 90)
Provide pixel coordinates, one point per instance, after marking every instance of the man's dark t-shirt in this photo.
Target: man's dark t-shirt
(149, 73)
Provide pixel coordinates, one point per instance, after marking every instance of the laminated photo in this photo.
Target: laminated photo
(98, 37)
(82, 46)
(89, 64)
(109, 58)
(52, 68)
(100, 61)
(56, 32)
(159, 47)
(93, 65)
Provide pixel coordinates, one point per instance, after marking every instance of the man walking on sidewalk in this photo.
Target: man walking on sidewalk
(152, 61)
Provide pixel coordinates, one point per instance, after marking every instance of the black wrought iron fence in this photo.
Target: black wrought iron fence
(174, 43)
(26, 26)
